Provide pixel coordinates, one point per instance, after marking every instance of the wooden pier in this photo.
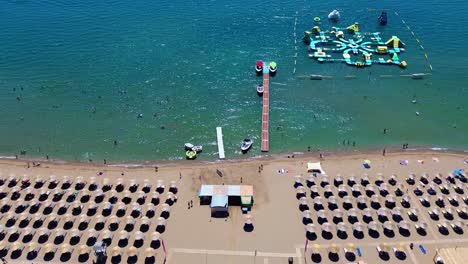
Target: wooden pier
(219, 136)
(266, 109)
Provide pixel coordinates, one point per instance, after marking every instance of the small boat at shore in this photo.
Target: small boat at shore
(188, 146)
(260, 90)
(191, 154)
(272, 68)
(246, 145)
(259, 67)
(198, 148)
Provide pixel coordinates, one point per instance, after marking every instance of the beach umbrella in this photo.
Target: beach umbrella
(341, 227)
(457, 227)
(43, 235)
(420, 226)
(316, 248)
(328, 191)
(326, 227)
(343, 191)
(324, 181)
(383, 250)
(300, 192)
(310, 180)
(155, 240)
(145, 224)
(160, 186)
(173, 187)
(403, 225)
(49, 251)
(32, 250)
(338, 180)
(310, 228)
(66, 251)
(321, 214)
(351, 180)
(314, 192)
(306, 217)
(165, 211)
(155, 199)
(297, 181)
(121, 210)
(161, 225)
(60, 235)
(28, 235)
(357, 190)
(352, 212)
(147, 186)
(390, 201)
(361, 202)
(372, 226)
(303, 204)
(13, 234)
(337, 213)
(367, 212)
(139, 239)
(358, 227)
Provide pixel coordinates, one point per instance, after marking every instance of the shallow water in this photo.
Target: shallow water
(74, 76)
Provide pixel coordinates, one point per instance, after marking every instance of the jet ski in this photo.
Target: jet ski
(246, 145)
(188, 146)
(260, 89)
(383, 18)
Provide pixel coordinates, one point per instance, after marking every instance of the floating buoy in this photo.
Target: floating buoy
(191, 154)
(417, 113)
(317, 19)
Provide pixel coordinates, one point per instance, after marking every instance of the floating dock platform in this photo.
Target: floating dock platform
(266, 109)
(219, 135)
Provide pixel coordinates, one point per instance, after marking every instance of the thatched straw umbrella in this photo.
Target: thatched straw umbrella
(132, 254)
(116, 251)
(16, 250)
(65, 251)
(155, 240)
(49, 251)
(333, 250)
(83, 253)
(150, 255)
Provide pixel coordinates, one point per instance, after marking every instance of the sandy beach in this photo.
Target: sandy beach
(191, 235)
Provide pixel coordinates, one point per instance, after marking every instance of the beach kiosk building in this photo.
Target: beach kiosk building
(219, 197)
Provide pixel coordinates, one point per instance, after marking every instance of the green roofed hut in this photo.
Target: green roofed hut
(219, 197)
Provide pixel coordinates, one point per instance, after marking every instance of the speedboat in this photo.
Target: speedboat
(260, 89)
(188, 146)
(198, 148)
(246, 145)
(259, 67)
(272, 68)
(383, 18)
(334, 16)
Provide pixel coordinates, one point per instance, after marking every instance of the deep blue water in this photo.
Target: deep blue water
(74, 76)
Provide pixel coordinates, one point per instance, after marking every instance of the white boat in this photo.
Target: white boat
(246, 145)
(260, 89)
(189, 146)
(198, 148)
(334, 15)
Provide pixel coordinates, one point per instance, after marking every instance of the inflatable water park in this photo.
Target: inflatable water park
(356, 48)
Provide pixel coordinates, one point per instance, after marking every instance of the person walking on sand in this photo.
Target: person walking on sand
(383, 152)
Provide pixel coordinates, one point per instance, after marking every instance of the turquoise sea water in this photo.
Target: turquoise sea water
(74, 75)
